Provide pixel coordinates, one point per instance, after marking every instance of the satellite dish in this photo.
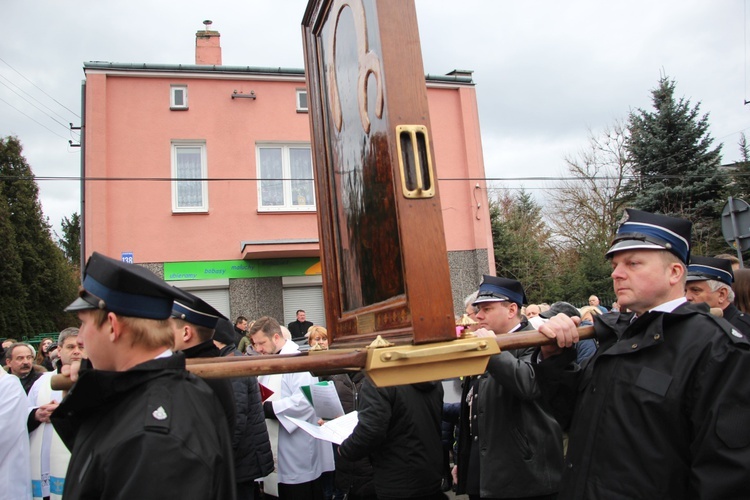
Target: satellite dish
(735, 224)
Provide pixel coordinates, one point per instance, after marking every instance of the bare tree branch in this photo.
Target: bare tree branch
(587, 209)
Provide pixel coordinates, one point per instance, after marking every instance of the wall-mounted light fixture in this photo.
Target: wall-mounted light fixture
(242, 95)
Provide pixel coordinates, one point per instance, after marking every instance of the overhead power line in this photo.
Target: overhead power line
(40, 89)
(35, 99)
(64, 125)
(33, 119)
(256, 179)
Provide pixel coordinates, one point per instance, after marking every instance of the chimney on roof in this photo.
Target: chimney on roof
(207, 46)
(463, 73)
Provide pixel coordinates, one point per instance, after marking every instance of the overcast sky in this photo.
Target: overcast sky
(546, 72)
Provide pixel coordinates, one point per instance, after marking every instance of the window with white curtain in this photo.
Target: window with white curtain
(286, 177)
(189, 173)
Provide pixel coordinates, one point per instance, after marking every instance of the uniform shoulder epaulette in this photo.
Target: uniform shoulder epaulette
(735, 336)
(745, 318)
(158, 411)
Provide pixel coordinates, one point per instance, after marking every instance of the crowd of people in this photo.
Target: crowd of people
(655, 405)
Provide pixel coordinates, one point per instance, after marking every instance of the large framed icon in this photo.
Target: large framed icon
(383, 250)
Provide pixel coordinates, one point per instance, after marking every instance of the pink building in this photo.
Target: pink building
(203, 173)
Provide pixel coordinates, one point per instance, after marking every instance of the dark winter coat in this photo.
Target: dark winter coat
(519, 442)
(253, 457)
(28, 381)
(661, 410)
(399, 428)
(222, 387)
(353, 477)
(47, 364)
(154, 431)
(451, 417)
(298, 329)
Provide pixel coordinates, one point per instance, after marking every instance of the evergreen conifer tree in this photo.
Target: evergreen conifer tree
(71, 239)
(521, 243)
(676, 169)
(13, 315)
(48, 281)
(741, 173)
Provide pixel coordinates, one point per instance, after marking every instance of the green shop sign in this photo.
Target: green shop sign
(262, 268)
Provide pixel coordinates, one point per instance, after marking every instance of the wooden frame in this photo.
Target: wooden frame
(383, 251)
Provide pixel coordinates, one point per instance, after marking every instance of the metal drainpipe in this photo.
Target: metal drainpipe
(83, 178)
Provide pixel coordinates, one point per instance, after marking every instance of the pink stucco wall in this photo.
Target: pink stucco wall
(457, 143)
(129, 130)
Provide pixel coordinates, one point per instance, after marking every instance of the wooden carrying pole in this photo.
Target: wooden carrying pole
(327, 362)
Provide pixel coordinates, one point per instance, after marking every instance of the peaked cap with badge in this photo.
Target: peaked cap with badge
(494, 289)
(197, 311)
(641, 230)
(126, 289)
(710, 268)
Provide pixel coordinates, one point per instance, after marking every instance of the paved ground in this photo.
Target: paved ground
(452, 495)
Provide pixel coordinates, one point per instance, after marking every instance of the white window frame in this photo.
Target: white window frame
(203, 207)
(288, 205)
(300, 107)
(173, 90)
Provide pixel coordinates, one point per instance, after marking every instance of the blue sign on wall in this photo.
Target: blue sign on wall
(127, 257)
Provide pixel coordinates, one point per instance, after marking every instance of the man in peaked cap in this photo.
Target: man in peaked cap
(508, 446)
(193, 324)
(654, 413)
(131, 421)
(709, 281)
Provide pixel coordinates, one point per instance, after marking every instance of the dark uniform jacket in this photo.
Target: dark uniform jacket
(222, 387)
(738, 319)
(253, 457)
(519, 446)
(152, 432)
(399, 428)
(661, 410)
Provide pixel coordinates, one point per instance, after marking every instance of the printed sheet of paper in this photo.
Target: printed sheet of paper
(335, 431)
(324, 399)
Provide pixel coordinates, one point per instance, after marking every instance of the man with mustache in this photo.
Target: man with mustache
(19, 358)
